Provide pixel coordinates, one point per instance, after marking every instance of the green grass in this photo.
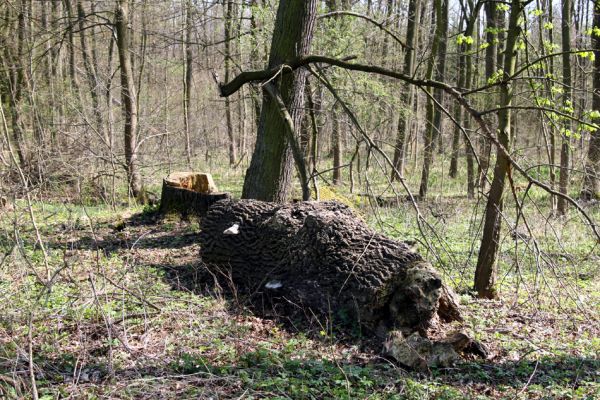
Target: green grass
(126, 317)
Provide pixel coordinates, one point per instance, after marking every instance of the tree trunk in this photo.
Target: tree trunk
(14, 66)
(320, 260)
(548, 132)
(336, 141)
(386, 39)
(407, 92)
(491, 51)
(433, 121)
(465, 77)
(591, 182)
(458, 114)
(254, 57)
(440, 76)
(565, 149)
(70, 42)
(269, 175)
(128, 100)
(91, 74)
(187, 80)
(469, 143)
(228, 5)
(485, 273)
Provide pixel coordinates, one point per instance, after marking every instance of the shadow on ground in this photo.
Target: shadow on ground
(265, 372)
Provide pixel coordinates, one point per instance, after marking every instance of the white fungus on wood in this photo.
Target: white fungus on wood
(232, 230)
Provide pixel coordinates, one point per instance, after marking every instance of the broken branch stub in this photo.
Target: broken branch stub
(189, 193)
(320, 256)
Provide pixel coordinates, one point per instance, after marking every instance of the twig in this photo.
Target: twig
(34, 391)
(367, 18)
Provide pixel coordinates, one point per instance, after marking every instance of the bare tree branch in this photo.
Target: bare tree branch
(367, 18)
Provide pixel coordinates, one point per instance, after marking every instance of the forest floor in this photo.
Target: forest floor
(125, 316)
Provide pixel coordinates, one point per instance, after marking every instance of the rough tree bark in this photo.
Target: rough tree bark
(269, 175)
(318, 256)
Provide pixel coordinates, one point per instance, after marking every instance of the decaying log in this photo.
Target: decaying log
(320, 257)
(189, 193)
(418, 352)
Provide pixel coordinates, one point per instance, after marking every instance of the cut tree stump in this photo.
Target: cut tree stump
(321, 259)
(189, 193)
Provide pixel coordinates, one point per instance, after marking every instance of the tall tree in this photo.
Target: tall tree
(465, 78)
(440, 75)
(269, 175)
(591, 183)
(492, 38)
(336, 147)
(188, 66)
(336, 134)
(228, 7)
(565, 149)
(14, 65)
(485, 273)
(70, 41)
(128, 100)
(458, 112)
(407, 92)
(91, 74)
(437, 63)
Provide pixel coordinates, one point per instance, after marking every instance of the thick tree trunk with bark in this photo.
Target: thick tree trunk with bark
(269, 175)
(324, 262)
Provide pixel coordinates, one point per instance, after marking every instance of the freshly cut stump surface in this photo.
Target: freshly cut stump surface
(322, 259)
(189, 193)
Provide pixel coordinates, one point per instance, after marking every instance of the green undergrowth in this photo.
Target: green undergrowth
(112, 307)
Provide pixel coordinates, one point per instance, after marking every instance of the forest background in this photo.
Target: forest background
(469, 127)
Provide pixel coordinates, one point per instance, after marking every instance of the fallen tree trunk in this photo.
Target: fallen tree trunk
(322, 259)
(189, 193)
